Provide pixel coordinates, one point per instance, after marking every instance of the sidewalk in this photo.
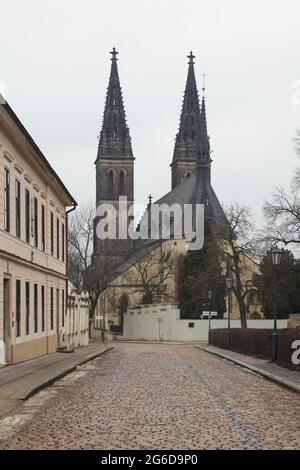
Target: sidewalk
(280, 375)
(20, 381)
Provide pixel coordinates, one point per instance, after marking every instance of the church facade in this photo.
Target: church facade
(129, 260)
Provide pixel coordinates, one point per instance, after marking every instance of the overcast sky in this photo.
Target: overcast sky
(55, 64)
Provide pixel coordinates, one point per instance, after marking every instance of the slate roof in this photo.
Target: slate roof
(196, 190)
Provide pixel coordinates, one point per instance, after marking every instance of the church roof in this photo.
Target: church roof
(115, 141)
(191, 191)
(192, 142)
(195, 190)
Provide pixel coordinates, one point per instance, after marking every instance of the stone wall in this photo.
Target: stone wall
(162, 323)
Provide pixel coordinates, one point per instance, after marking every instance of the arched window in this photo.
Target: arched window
(115, 133)
(121, 183)
(110, 183)
(187, 174)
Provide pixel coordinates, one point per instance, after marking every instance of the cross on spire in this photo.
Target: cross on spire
(114, 54)
(191, 57)
(192, 143)
(114, 136)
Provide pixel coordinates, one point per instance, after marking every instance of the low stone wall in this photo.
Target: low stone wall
(257, 342)
(161, 322)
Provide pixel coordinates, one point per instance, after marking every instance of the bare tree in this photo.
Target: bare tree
(240, 251)
(96, 280)
(82, 273)
(151, 273)
(283, 212)
(80, 238)
(283, 218)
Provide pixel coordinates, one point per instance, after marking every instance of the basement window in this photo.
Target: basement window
(192, 325)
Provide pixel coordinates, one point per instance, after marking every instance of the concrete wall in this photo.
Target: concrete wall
(162, 323)
(77, 320)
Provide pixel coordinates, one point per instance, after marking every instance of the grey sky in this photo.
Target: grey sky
(54, 60)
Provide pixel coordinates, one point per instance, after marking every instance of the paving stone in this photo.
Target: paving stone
(173, 397)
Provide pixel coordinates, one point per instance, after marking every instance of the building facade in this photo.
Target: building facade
(33, 247)
(114, 169)
(191, 184)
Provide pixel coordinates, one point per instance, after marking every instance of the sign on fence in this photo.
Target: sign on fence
(208, 314)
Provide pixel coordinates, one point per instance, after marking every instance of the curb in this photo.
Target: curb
(67, 370)
(178, 343)
(265, 374)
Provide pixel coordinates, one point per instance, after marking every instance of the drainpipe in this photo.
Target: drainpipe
(74, 205)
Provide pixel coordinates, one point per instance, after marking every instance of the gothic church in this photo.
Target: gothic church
(191, 164)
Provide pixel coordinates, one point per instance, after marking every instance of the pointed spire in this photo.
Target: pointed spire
(204, 138)
(192, 147)
(114, 136)
(190, 114)
(186, 145)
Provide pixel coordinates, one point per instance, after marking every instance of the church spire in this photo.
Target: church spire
(190, 114)
(204, 143)
(189, 144)
(114, 136)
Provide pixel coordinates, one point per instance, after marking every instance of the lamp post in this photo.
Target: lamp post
(276, 255)
(209, 296)
(229, 287)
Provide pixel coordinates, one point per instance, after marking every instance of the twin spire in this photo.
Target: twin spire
(114, 139)
(192, 141)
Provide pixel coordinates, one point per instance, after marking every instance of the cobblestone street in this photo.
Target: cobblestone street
(157, 397)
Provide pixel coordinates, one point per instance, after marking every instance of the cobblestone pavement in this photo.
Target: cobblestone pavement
(142, 396)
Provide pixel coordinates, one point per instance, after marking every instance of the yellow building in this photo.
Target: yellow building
(33, 246)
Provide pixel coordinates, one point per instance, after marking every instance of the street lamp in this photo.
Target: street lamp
(209, 296)
(276, 255)
(229, 287)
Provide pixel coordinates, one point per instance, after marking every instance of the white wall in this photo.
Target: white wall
(77, 320)
(143, 324)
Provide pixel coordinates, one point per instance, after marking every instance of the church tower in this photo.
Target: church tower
(192, 143)
(114, 164)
